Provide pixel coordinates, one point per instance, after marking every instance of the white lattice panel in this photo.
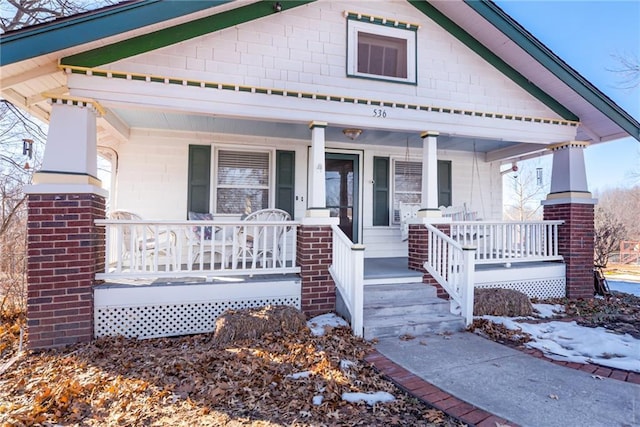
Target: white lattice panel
(171, 320)
(163, 311)
(535, 288)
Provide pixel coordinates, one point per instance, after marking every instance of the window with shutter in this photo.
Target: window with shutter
(242, 181)
(407, 184)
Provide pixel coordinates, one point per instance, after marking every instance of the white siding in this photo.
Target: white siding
(304, 49)
(153, 171)
(152, 180)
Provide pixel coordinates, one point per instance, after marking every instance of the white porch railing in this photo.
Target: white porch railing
(504, 242)
(347, 270)
(145, 248)
(452, 265)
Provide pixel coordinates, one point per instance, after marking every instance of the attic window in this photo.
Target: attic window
(382, 56)
(381, 52)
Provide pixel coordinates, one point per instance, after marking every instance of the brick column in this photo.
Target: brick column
(569, 200)
(315, 251)
(575, 244)
(65, 250)
(418, 249)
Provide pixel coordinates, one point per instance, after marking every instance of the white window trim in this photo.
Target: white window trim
(354, 27)
(214, 174)
(393, 186)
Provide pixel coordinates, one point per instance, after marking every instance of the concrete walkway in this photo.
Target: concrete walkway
(513, 385)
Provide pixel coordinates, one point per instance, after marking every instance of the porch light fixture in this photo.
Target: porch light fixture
(352, 133)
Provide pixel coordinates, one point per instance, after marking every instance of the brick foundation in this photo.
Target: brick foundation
(315, 250)
(65, 250)
(418, 244)
(575, 244)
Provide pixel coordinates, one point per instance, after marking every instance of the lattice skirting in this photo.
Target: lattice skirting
(534, 288)
(163, 311)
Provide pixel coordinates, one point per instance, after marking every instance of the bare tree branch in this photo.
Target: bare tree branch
(628, 70)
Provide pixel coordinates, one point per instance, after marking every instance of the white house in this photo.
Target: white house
(361, 120)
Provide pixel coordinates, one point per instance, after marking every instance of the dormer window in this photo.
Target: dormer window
(378, 51)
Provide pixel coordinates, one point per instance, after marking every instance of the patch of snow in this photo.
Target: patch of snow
(548, 310)
(298, 375)
(346, 364)
(369, 398)
(319, 324)
(317, 400)
(570, 342)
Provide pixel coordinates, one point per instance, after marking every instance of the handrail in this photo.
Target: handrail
(347, 271)
(169, 248)
(452, 266)
(509, 241)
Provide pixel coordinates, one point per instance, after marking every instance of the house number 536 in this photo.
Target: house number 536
(379, 112)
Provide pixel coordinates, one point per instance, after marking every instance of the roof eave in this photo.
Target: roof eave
(515, 32)
(88, 27)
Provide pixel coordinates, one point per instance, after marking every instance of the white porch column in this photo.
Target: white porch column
(70, 156)
(316, 190)
(429, 205)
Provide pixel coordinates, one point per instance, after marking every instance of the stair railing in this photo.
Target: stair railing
(347, 271)
(452, 266)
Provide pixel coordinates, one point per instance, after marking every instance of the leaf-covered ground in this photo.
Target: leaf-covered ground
(620, 314)
(186, 381)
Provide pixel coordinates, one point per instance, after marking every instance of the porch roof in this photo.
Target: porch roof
(29, 66)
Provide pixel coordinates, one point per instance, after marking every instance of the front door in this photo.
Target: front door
(341, 181)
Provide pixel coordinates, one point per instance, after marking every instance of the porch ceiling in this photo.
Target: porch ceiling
(209, 124)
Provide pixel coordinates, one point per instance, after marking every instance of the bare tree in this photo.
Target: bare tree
(15, 14)
(609, 232)
(21, 142)
(616, 219)
(525, 188)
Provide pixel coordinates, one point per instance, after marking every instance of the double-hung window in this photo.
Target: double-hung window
(407, 185)
(242, 181)
(380, 51)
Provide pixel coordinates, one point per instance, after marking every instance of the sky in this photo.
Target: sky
(585, 34)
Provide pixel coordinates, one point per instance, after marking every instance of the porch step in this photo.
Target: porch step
(415, 325)
(395, 292)
(406, 309)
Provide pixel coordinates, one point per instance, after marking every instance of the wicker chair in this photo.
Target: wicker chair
(262, 244)
(140, 242)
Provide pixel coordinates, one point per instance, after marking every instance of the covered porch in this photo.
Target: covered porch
(188, 288)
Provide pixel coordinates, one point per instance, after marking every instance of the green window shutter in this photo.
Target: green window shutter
(285, 181)
(381, 191)
(444, 183)
(199, 178)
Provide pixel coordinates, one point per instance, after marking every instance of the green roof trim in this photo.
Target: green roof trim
(171, 35)
(493, 59)
(508, 26)
(87, 27)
